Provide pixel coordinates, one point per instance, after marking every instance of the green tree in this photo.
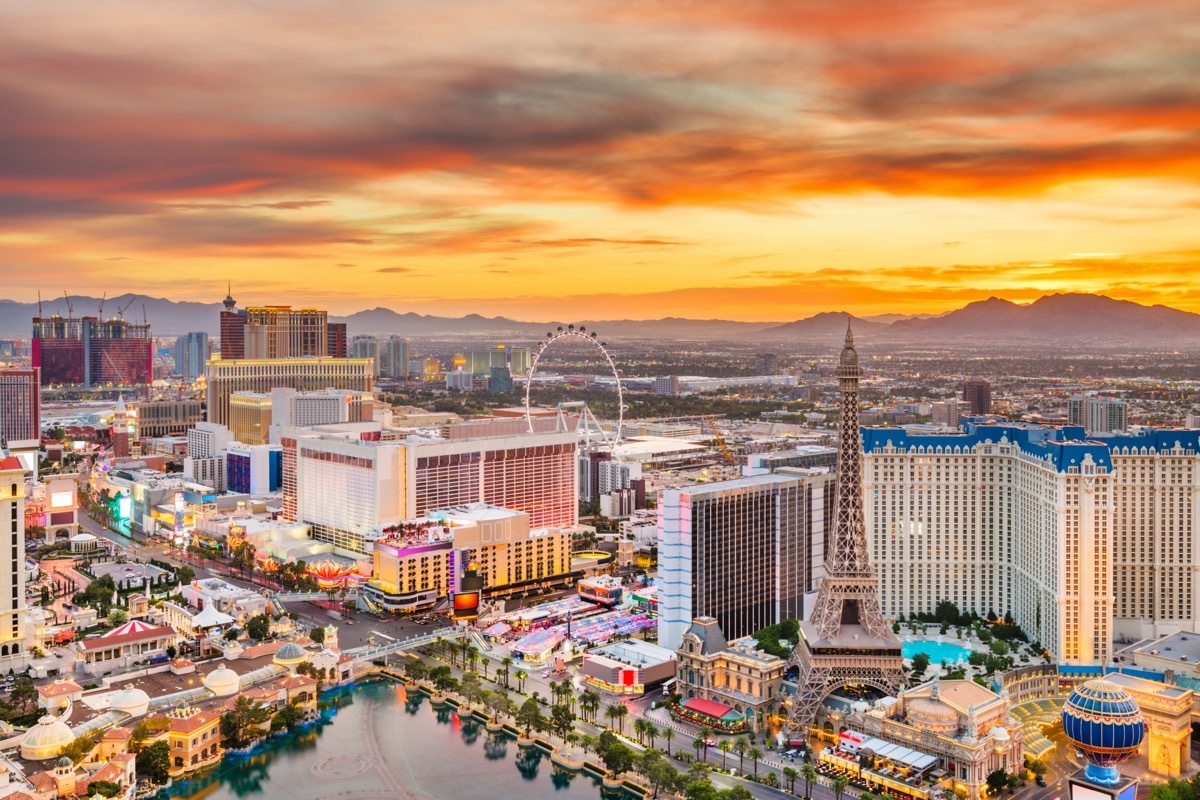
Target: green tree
(809, 773)
(920, 663)
(997, 780)
(117, 616)
(154, 761)
(562, 720)
(529, 716)
(416, 670)
(740, 745)
(668, 734)
(237, 721)
(661, 775)
(80, 747)
(185, 575)
(724, 746)
(790, 774)
(317, 634)
(840, 784)
(145, 729)
(258, 627)
(23, 693)
(946, 612)
(521, 675)
(1000, 647)
(755, 756)
(104, 788)
(618, 759)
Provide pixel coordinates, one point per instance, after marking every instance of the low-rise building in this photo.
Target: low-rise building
(965, 726)
(417, 562)
(121, 647)
(194, 737)
(734, 674)
(628, 667)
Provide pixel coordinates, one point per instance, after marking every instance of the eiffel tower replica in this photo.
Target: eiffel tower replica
(845, 641)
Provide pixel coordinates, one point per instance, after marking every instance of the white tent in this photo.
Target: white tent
(210, 617)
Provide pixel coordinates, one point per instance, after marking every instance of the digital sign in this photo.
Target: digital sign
(62, 499)
(466, 605)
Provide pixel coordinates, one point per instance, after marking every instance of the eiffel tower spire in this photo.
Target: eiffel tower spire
(845, 639)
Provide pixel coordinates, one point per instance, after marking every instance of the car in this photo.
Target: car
(1040, 781)
(710, 742)
(546, 674)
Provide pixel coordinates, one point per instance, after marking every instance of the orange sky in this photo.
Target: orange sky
(755, 160)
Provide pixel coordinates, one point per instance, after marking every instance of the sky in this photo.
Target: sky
(754, 160)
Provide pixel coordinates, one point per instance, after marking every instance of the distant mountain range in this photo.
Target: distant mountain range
(1053, 318)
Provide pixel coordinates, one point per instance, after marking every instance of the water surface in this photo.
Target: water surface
(384, 742)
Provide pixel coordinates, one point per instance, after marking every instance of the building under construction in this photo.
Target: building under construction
(92, 352)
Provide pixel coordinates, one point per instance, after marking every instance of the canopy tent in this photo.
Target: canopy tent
(210, 617)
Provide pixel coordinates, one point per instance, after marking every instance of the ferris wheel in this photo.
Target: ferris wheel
(586, 418)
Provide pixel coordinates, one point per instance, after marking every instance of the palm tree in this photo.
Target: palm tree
(790, 774)
(698, 745)
(610, 714)
(867, 796)
(464, 645)
(755, 754)
(485, 661)
(505, 663)
(706, 734)
(521, 676)
(740, 745)
(668, 734)
(724, 746)
(589, 702)
(839, 786)
(809, 772)
(470, 657)
(639, 728)
(652, 732)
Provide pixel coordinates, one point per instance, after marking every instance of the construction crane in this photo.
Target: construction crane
(121, 311)
(70, 308)
(720, 440)
(103, 297)
(40, 303)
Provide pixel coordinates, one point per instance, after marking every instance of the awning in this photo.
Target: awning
(709, 708)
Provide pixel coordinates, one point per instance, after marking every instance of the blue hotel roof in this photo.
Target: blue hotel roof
(1065, 445)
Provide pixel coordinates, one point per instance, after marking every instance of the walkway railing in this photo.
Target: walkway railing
(368, 652)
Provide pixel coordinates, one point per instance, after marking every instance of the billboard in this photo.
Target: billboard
(180, 507)
(466, 605)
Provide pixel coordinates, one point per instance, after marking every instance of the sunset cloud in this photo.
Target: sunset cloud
(869, 150)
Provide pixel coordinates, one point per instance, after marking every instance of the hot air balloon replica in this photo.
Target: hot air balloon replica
(1105, 724)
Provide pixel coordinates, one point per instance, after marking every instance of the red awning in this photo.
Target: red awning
(709, 707)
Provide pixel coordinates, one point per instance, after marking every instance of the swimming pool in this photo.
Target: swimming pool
(937, 651)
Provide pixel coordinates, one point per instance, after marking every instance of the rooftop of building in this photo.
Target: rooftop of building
(1147, 686)
(1063, 446)
(1183, 647)
(633, 652)
(474, 512)
(753, 482)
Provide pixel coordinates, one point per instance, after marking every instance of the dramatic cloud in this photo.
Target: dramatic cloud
(658, 145)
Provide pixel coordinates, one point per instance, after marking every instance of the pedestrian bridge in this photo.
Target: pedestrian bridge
(373, 651)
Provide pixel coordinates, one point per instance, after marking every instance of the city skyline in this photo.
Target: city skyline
(749, 162)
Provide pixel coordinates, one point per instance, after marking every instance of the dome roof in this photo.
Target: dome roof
(222, 682)
(1104, 722)
(64, 762)
(290, 653)
(932, 714)
(132, 701)
(45, 739)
